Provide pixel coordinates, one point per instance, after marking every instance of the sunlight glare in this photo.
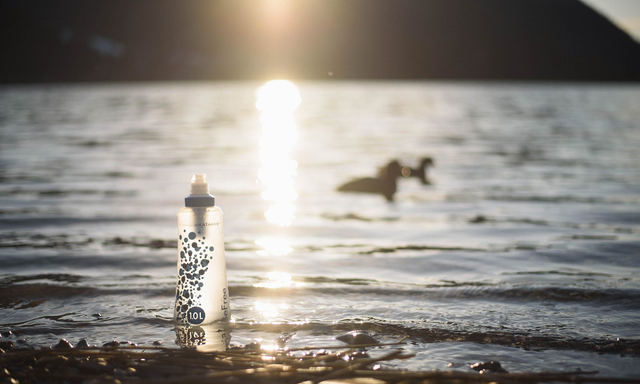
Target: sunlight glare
(274, 246)
(276, 100)
(278, 280)
(278, 95)
(266, 309)
(269, 311)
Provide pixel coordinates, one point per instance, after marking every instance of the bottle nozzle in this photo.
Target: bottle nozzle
(199, 185)
(200, 196)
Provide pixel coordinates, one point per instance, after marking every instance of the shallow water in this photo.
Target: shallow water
(524, 249)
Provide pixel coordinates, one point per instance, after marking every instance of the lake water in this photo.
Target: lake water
(525, 248)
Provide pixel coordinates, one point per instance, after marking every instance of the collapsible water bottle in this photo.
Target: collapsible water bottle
(202, 295)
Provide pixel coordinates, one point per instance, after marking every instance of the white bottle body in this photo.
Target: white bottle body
(202, 295)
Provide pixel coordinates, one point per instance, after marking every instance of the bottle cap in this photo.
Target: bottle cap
(200, 196)
(199, 185)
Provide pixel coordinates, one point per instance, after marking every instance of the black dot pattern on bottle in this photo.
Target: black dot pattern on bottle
(195, 258)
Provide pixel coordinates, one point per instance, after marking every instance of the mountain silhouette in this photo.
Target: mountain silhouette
(144, 40)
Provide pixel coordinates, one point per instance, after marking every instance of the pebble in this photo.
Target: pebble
(58, 361)
(120, 372)
(157, 342)
(6, 345)
(356, 355)
(356, 338)
(63, 344)
(83, 344)
(255, 346)
(488, 367)
(114, 343)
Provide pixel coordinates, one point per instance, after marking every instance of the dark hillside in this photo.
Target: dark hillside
(121, 40)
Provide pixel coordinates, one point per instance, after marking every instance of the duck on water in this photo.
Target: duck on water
(386, 182)
(421, 171)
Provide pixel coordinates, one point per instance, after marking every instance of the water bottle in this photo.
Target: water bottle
(202, 295)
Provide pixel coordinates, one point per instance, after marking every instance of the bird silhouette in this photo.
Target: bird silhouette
(420, 172)
(384, 184)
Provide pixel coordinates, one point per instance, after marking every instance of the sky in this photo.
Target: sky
(625, 13)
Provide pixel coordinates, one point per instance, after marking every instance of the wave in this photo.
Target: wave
(62, 285)
(22, 293)
(37, 240)
(413, 332)
(480, 219)
(474, 196)
(526, 339)
(472, 291)
(55, 192)
(11, 223)
(97, 263)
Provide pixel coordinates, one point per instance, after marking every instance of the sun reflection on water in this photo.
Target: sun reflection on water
(278, 95)
(267, 310)
(276, 101)
(274, 246)
(278, 280)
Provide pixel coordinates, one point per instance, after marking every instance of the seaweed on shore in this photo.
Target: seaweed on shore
(249, 364)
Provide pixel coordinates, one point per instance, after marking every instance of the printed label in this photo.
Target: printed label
(225, 304)
(195, 315)
(196, 278)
